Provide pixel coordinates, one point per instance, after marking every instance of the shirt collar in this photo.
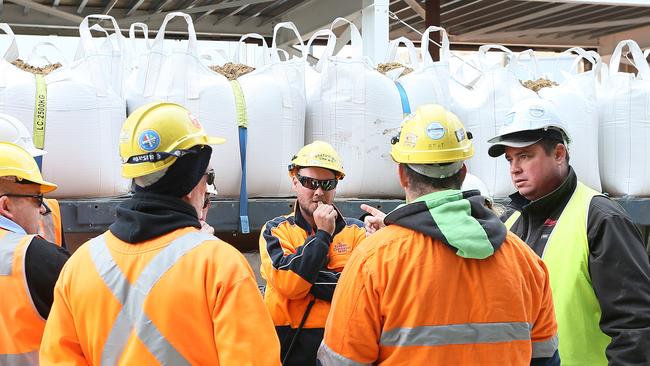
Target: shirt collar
(7, 224)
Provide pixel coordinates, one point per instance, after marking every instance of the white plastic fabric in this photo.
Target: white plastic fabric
(429, 81)
(179, 76)
(473, 182)
(575, 102)
(482, 108)
(625, 126)
(111, 53)
(84, 117)
(357, 110)
(275, 106)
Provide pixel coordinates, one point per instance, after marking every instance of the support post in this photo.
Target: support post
(375, 29)
(432, 17)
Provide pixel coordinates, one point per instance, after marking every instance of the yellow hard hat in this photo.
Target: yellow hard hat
(156, 134)
(17, 162)
(432, 135)
(317, 154)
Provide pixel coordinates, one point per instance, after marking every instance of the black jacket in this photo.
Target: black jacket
(43, 263)
(618, 265)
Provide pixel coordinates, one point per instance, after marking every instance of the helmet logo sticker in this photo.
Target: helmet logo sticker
(460, 134)
(435, 131)
(536, 111)
(195, 121)
(149, 140)
(410, 140)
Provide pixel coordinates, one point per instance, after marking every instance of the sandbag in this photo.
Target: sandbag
(428, 83)
(575, 101)
(482, 108)
(75, 116)
(625, 125)
(273, 95)
(178, 76)
(356, 109)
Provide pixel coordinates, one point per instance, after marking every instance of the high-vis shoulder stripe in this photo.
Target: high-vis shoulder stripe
(132, 297)
(545, 348)
(469, 333)
(8, 246)
(327, 357)
(29, 358)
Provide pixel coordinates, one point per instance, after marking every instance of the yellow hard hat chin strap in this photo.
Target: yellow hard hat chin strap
(437, 170)
(153, 157)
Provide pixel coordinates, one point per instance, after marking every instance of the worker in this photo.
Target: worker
(211, 192)
(303, 253)
(50, 227)
(443, 282)
(599, 268)
(154, 289)
(29, 265)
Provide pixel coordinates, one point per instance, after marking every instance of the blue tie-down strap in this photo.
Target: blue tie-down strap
(243, 195)
(39, 162)
(406, 107)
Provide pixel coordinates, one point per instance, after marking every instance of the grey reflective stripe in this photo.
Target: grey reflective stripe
(21, 359)
(132, 298)
(8, 246)
(546, 348)
(468, 333)
(328, 357)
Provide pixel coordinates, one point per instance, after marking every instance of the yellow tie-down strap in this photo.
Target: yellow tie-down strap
(40, 112)
(240, 104)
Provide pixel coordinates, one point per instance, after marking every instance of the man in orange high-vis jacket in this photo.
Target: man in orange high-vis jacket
(303, 253)
(12, 130)
(444, 282)
(154, 289)
(29, 265)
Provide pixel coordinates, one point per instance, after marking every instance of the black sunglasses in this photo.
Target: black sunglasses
(313, 184)
(210, 175)
(39, 197)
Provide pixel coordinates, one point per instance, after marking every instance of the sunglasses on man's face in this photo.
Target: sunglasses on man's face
(210, 175)
(314, 184)
(39, 197)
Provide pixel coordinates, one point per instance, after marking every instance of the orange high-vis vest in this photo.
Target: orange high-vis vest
(21, 326)
(49, 226)
(405, 298)
(184, 298)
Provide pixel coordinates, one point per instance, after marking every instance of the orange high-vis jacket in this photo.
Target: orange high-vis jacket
(21, 326)
(184, 298)
(407, 299)
(50, 227)
(299, 265)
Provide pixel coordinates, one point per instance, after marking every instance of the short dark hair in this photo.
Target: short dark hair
(422, 182)
(549, 145)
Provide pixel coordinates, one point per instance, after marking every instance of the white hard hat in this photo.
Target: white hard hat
(529, 121)
(12, 130)
(473, 182)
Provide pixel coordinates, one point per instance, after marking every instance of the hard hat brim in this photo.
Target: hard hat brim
(46, 187)
(212, 140)
(499, 148)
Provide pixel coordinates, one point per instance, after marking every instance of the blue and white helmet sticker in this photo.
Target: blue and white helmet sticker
(149, 140)
(435, 131)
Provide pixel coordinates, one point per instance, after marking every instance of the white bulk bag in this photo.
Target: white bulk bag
(429, 81)
(137, 47)
(274, 97)
(111, 53)
(83, 117)
(356, 109)
(575, 102)
(180, 77)
(625, 126)
(482, 108)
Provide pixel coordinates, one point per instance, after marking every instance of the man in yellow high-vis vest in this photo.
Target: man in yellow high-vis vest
(29, 265)
(600, 274)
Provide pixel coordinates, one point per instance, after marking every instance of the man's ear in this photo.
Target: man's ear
(403, 178)
(560, 153)
(6, 208)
